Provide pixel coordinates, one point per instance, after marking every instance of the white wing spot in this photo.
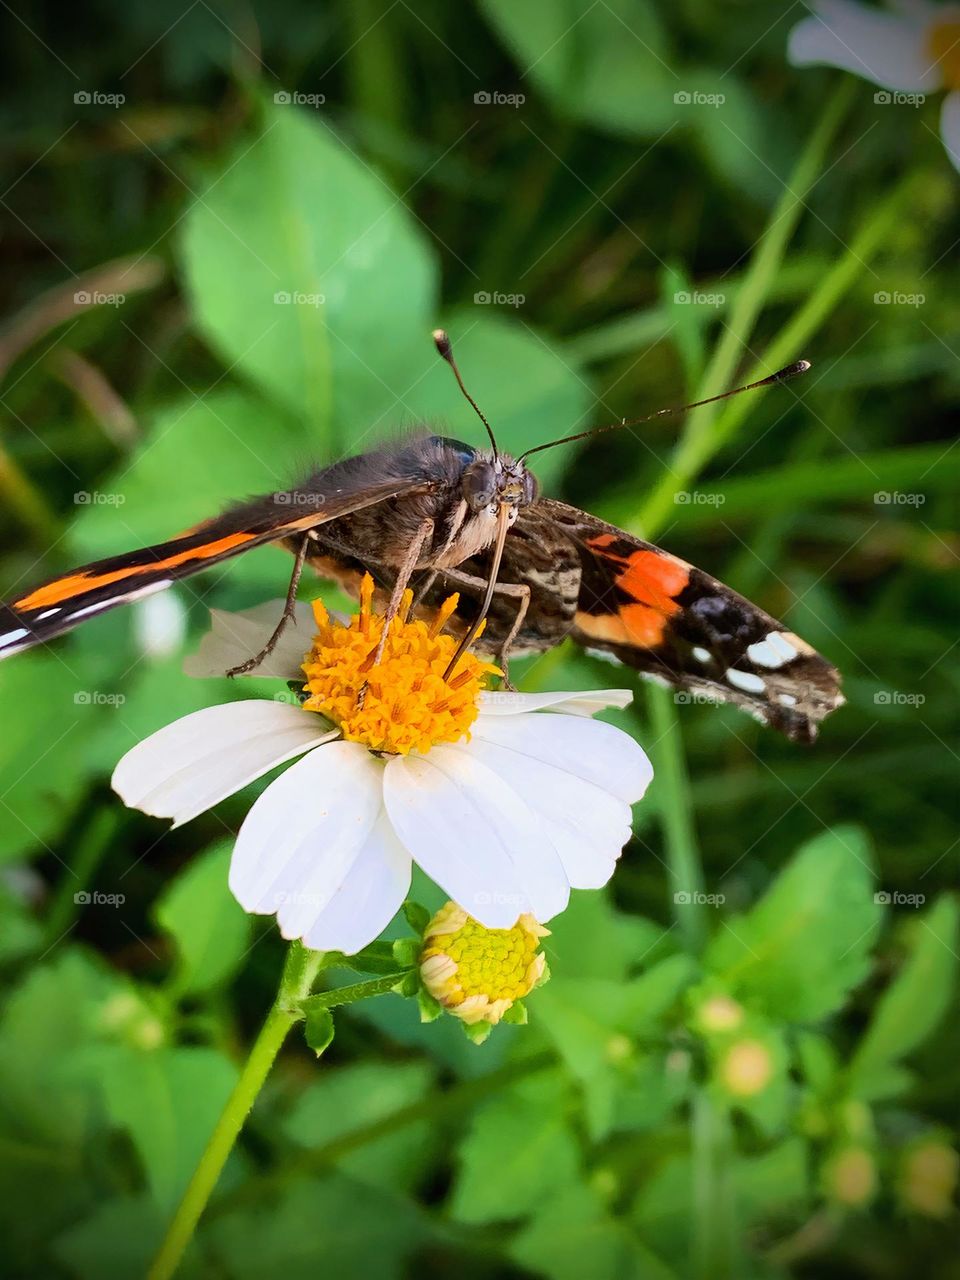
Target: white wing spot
(787, 700)
(701, 655)
(745, 680)
(10, 636)
(774, 651)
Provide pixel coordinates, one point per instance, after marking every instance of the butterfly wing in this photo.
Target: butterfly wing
(673, 622)
(626, 599)
(60, 604)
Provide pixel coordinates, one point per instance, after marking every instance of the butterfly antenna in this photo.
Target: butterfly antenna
(443, 344)
(790, 371)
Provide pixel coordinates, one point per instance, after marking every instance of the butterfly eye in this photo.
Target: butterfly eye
(479, 485)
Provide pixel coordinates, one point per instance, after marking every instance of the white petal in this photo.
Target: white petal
(369, 896)
(950, 126)
(588, 749)
(235, 637)
(193, 763)
(474, 836)
(304, 833)
(888, 49)
(502, 703)
(585, 823)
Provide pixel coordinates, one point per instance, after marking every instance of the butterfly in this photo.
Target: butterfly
(440, 515)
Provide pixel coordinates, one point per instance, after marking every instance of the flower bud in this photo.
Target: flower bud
(477, 973)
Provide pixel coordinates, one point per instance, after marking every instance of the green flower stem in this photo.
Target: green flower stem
(698, 441)
(299, 973)
(356, 991)
(684, 868)
(715, 1230)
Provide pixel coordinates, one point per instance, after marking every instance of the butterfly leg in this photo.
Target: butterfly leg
(513, 590)
(400, 585)
(288, 615)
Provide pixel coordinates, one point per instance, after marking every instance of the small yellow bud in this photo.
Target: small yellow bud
(928, 1178)
(850, 1177)
(720, 1013)
(746, 1068)
(477, 973)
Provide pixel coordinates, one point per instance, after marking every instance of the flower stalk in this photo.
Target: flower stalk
(299, 974)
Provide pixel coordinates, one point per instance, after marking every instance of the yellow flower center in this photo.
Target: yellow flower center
(943, 46)
(475, 972)
(407, 705)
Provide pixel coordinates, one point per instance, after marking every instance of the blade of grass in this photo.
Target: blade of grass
(684, 867)
(698, 443)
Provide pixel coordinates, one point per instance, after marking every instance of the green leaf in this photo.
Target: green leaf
(20, 933)
(605, 64)
(318, 1028)
(516, 1153)
(592, 939)
(344, 1099)
(49, 712)
(209, 927)
(416, 916)
(573, 1236)
(805, 945)
(237, 445)
(583, 1016)
(308, 274)
(168, 1102)
(336, 1227)
(521, 381)
(119, 1239)
(914, 1003)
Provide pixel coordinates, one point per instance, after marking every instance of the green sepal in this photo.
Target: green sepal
(376, 957)
(430, 1009)
(517, 1014)
(417, 917)
(408, 984)
(406, 952)
(318, 1029)
(477, 1031)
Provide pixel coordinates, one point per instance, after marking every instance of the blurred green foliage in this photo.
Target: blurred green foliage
(745, 1109)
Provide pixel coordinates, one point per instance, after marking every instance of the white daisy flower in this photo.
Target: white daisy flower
(506, 800)
(914, 49)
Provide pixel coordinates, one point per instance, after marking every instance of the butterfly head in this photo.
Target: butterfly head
(489, 482)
